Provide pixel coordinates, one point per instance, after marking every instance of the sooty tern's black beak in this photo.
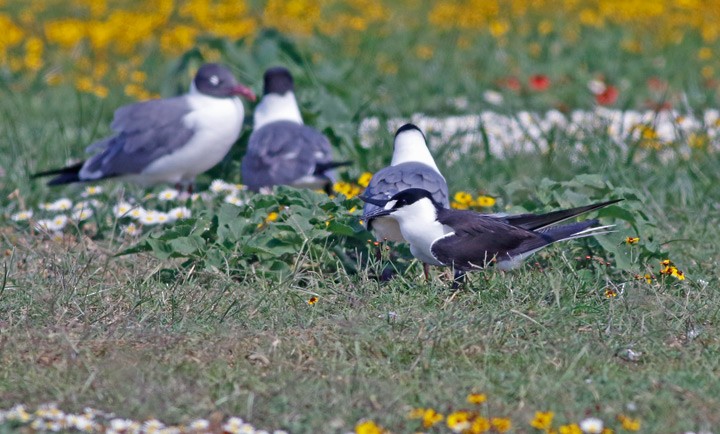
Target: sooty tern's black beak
(380, 211)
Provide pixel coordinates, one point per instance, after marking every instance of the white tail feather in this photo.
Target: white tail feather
(590, 232)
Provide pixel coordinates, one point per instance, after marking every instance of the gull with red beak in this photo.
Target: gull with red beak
(169, 140)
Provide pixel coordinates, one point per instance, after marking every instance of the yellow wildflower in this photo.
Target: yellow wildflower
(415, 413)
(368, 427)
(458, 421)
(424, 52)
(364, 179)
(545, 27)
(677, 274)
(430, 418)
(629, 424)
(632, 240)
(84, 84)
(610, 293)
(462, 197)
(272, 217)
(312, 300)
(479, 425)
(542, 420)
(705, 53)
(476, 398)
(485, 201)
(570, 429)
(501, 424)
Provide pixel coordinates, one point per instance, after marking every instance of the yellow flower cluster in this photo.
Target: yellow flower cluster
(537, 16)
(369, 427)
(669, 269)
(465, 200)
(348, 189)
(463, 421)
(87, 42)
(628, 423)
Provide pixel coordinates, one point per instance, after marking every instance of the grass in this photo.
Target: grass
(80, 332)
(144, 337)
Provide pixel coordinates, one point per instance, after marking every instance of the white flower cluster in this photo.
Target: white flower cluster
(231, 191)
(49, 418)
(528, 132)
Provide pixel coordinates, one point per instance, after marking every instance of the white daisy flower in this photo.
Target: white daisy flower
(82, 214)
(246, 428)
(199, 424)
(56, 223)
(22, 216)
(91, 190)
(137, 213)
(121, 209)
(18, 413)
(493, 97)
(152, 426)
(596, 86)
(92, 203)
(120, 425)
(81, 423)
(149, 218)
(233, 425)
(232, 199)
(591, 425)
(132, 229)
(168, 194)
(180, 213)
(163, 217)
(63, 204)
(219, 186)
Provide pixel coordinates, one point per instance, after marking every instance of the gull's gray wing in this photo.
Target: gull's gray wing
(392, 179)
(146, 131)
(143, 116)
(283, 152)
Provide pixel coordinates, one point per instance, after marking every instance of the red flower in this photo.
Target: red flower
(539, 82)
(608, 97)
(511, 83)
(656, 84)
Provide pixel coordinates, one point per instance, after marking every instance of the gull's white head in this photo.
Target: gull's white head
(278, 102)
(410, 146)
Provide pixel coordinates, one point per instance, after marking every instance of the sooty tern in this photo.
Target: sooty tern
(466, 240)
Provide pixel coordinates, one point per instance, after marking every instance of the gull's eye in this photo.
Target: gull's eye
(214, 80)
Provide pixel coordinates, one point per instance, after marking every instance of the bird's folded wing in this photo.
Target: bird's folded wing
(140, 142)
(477, 239)
(283, 152)
(392, 179)
(143, 116)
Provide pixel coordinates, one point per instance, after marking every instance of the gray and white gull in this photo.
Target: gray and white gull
(169, 140)
(282, 150)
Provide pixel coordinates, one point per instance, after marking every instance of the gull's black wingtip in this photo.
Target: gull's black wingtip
(66, 175)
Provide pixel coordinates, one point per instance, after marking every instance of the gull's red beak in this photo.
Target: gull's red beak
(244, 92)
